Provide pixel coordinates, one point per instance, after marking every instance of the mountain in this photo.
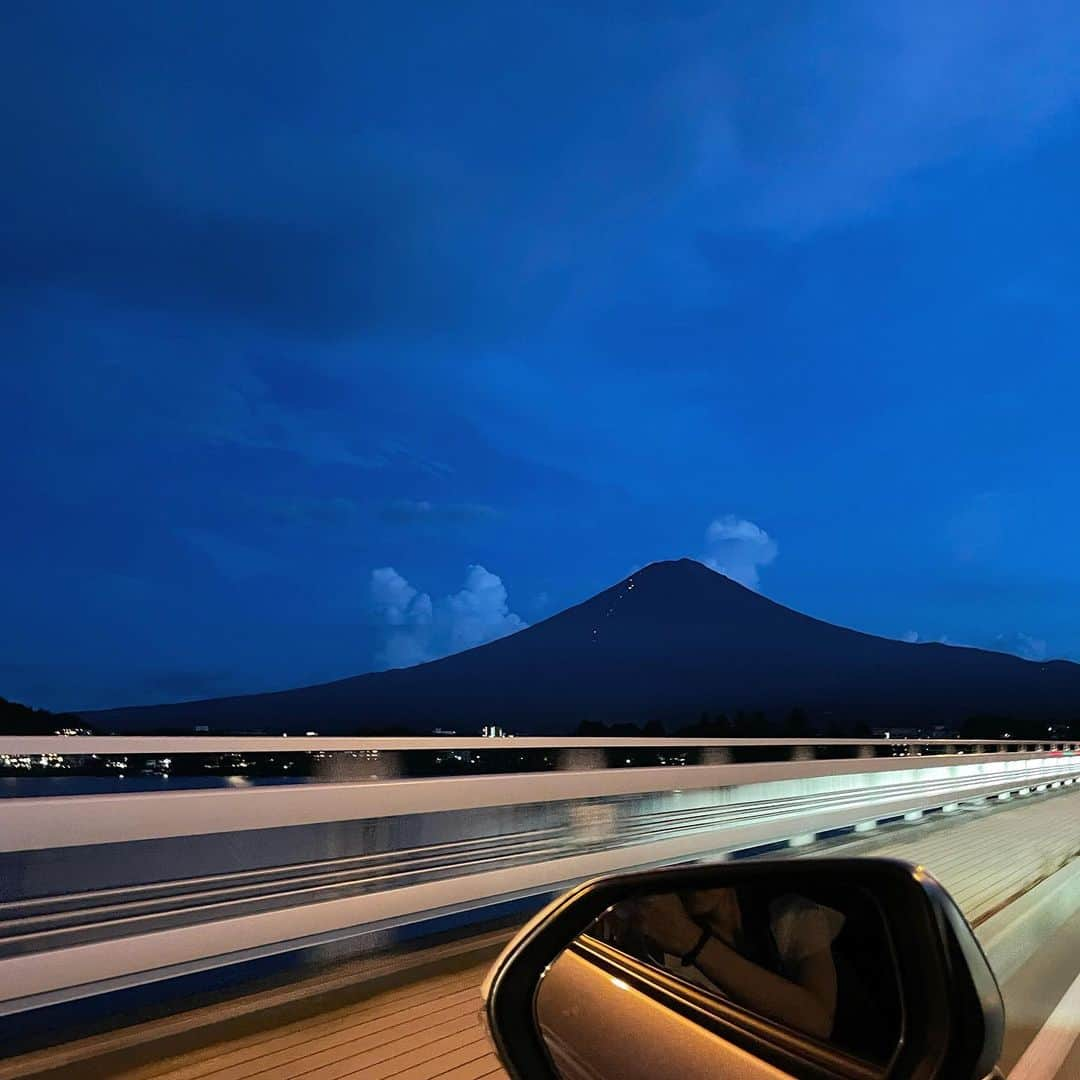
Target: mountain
(670, 642)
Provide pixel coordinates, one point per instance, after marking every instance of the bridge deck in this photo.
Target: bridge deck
(984, 855)
(426, 1029)
(429, 1026)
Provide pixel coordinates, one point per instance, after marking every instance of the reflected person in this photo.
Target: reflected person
(773, 957)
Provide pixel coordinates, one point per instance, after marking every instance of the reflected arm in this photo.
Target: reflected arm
(807, 1004)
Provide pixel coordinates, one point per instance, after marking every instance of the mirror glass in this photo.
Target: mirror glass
(676, 973)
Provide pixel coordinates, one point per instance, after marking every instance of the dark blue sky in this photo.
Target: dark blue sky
(309, 310)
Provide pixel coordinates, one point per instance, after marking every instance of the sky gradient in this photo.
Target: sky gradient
(338, 336)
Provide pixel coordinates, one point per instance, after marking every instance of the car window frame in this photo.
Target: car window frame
(785, 1047)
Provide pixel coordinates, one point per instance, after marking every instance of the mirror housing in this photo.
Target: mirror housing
(951, 1008)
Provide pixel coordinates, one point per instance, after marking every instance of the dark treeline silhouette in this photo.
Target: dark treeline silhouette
(16, 719)
(797, 723)
(742, 724)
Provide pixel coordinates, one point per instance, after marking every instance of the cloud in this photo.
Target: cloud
(870, 97)
(346, 210)
(394, 597)
(416, 629)
(911, 637)
(738, 548)
(421, 511)
(481, 611)
(342, 255)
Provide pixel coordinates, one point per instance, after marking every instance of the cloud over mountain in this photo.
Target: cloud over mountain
(738, 549)
(417, 629)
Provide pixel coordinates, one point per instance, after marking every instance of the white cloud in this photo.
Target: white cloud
(481, 611)
(911, 637)
(418, 629)
(393, 596)
(409, 614)
(738, 548)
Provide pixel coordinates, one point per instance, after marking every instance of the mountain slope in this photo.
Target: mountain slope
(669, 642)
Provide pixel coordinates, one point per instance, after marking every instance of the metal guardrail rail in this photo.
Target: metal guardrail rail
(298, 758)
(260, 744)
(103, 891)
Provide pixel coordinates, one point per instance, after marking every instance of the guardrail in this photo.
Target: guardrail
(218, 744)
(317, 757)
(103, 891)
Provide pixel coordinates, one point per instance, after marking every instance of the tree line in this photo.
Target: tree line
(16, 719)
(798, 724)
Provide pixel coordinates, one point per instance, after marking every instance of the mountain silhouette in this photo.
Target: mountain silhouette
(670, 642)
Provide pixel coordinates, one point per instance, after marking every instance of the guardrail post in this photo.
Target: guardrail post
(716, 755)
(575, 758)
(360, 766)
(389, 764)
(866, 751)
(802, 753)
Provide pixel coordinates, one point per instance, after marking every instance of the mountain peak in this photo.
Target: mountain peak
(670, 566)
(684, 569)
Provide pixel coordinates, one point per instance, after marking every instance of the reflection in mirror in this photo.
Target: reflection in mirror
(806, 955)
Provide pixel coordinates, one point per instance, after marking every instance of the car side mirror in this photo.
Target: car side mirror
(817, 968)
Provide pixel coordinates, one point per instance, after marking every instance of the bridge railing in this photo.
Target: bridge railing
(104, 891)
(324, 758)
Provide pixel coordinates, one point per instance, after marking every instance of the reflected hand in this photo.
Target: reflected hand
(664, 920)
